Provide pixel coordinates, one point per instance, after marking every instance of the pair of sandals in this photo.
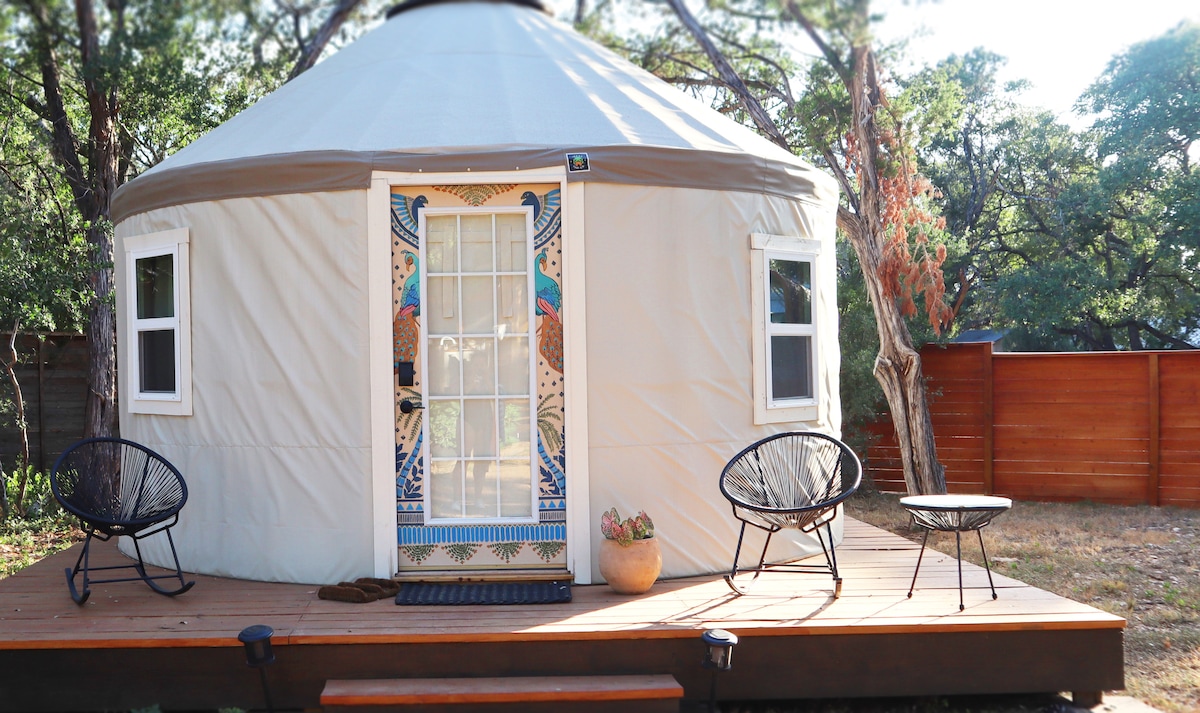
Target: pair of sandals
(360, 591)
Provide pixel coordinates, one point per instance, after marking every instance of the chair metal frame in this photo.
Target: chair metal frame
(104, 509)
(802, 498)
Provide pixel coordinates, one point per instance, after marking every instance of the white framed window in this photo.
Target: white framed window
(158, 306)
(785, 353)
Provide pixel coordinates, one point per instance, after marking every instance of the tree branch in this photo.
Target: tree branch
(312, 52)
(831, 55)
(727, 73)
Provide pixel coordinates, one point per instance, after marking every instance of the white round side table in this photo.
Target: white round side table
(957, 514)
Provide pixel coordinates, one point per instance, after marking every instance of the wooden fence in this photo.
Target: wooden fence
(1115, 427)
(53, 376)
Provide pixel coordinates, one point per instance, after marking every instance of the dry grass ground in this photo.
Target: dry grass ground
(1140, 563)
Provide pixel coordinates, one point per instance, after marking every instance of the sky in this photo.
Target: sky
(1060, 46)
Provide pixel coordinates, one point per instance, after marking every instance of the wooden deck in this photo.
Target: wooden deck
(128, 647)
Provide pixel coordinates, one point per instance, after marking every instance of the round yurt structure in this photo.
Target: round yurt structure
(445, 298)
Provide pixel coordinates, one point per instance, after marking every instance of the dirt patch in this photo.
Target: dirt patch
(1138, 562)
(23, 543)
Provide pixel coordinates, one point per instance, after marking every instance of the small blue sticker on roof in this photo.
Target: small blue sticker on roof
(577, 162)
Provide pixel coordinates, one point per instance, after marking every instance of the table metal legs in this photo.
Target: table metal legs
(958, 546)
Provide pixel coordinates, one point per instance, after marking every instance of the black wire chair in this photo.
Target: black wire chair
(790, 481)
(117, 487)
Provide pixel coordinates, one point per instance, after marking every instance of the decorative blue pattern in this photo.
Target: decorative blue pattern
(554, 478)
(547, 215)
(409, 468)
(405, 212)
(452, 534)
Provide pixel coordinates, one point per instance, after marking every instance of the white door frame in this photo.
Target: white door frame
(382, 399)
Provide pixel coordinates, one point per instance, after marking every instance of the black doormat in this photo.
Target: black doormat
(485, 593)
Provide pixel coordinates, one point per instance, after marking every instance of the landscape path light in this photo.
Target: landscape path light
(257, 640)
(718, 656)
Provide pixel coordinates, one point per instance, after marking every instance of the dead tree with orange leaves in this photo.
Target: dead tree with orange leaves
(883, 216)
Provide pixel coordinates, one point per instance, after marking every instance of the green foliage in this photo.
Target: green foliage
(1078, 240)
(861, 396)
(39, 508)
(1146, 102)
(638, 527)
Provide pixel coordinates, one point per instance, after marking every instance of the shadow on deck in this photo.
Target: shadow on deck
(128, 647)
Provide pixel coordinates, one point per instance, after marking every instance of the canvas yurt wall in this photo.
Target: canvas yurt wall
(288, 269)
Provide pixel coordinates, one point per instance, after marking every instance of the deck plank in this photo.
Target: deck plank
(42, 630)
(876, 566)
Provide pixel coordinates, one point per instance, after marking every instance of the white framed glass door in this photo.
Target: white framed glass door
(479, 365)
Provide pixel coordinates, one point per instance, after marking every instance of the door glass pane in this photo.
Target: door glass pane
(791, 367)
(156, 355)
(442, 316)
(443, 362)
(791, 290)
(480, 430)
(156, 286)
(478, 312)
(512, 302)
(444, 438)
(441, 243)
(514, 366)
(477, 349)
(446, 488)
(479, 367)
(516, 484)
(514, 430)
(516, 489)
(510, 242)
(476, 243)
(481, 482)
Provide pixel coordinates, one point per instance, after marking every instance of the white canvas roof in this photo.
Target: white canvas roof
(458, 86)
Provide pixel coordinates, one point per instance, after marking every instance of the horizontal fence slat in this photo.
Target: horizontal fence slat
(1063, 426)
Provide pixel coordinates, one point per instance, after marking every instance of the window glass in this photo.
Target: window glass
(476, 243)
(478, 312)
(443, 363)
(479, 367)
(156, 286)
(516, 488)
(514, 365)
(791, 291)
(510, 242)
(790, 367)
(479, 399)
(156, 355)
(441, 243)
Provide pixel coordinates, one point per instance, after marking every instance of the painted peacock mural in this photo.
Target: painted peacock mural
(488, 544)
(406, 341)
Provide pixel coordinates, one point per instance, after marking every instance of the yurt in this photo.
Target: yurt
(441, 301)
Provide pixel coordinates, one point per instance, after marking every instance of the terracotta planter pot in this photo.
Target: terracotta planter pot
(632, 569)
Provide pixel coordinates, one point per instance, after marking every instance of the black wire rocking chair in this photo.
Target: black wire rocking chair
(790, 481)
(117, 487)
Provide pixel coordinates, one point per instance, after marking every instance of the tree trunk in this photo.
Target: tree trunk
(100, 412)
(898, 365)
(103, 150)
(10, 366)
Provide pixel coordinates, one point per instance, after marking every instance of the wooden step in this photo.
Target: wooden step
(656, 692)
